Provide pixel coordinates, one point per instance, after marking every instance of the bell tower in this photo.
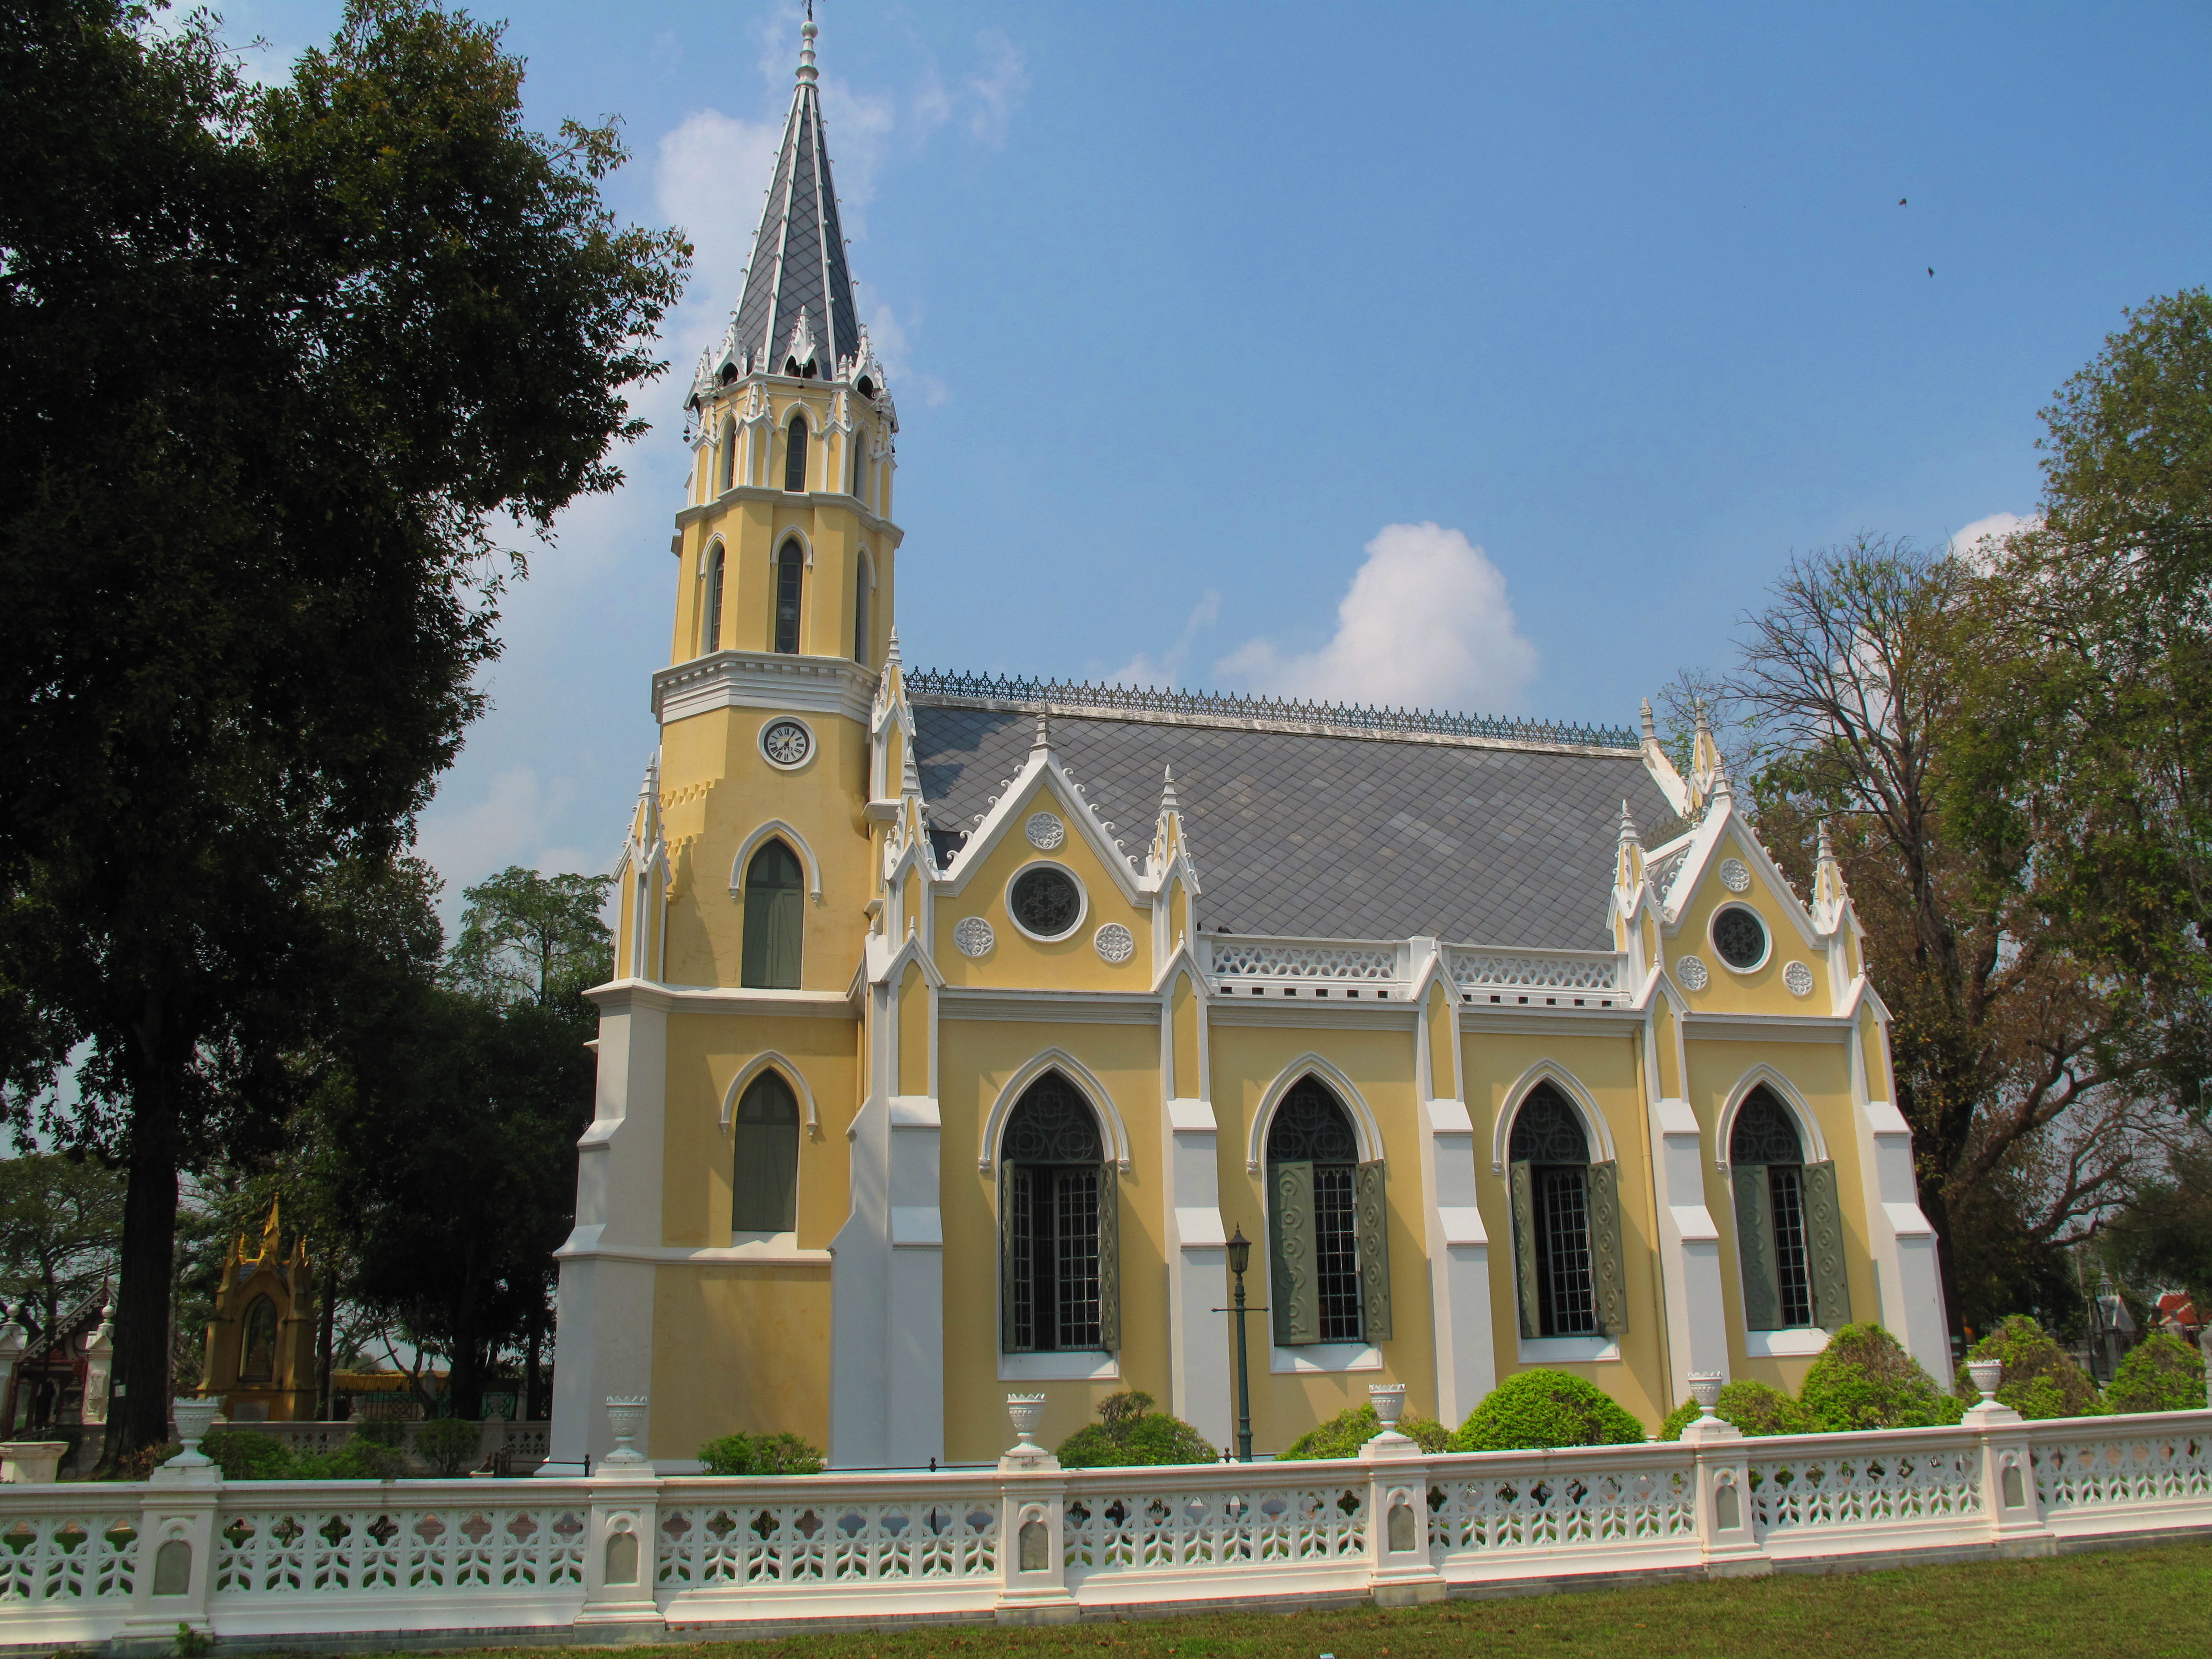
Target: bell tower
(786, 557)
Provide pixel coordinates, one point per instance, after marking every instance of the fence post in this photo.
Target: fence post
(175, 1572)
(1402, 1571)
(621, 1560)
(2010, 1499)
(1033, 1526)
(1728, 1523)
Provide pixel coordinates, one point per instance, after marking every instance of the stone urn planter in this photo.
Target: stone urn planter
(1389, 1402)
(1986, 1375)
(1025, 1411)
(193, 1417)
(625, 1416)
(1706, 1390)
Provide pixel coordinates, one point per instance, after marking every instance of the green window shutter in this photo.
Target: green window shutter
(776, 921)
(1294, 1297)
(1013, 1184)
(1824, 1247)
(1371, 1217)
(1608, 1266)
(1109, 1259)
(1755, 1240)
(1523, 1185)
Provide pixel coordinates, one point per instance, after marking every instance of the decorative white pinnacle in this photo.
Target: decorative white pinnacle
(1628, 837)
(1169, 802)
(806, 33)
(891, 654)
(1650, 732)
(1043, 733)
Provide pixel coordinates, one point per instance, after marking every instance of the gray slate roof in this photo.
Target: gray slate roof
(1330, 837)
(798, 253)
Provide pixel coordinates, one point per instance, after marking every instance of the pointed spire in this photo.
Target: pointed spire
(909, 774)
(1043, 734)
(1629, 835)
(1650, 731)
(1827, 871)
(1628, 858)
(798, 253)
(1169, 802)
(891, 658)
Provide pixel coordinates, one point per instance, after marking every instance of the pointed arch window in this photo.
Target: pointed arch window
(711, 582)
(1327, 1242)
(790, 580)
(795, 457)
(864, 581)
(860, 465)
(776, 919)
(257, 1352)
(1566, 1224)
(1059, 1226)
(764, 1157)
(726, 464)
(1787, 1223)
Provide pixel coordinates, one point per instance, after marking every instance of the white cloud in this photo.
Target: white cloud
(1981, 541)
(1424, 623)
(996, 91)
(1166, 670)
(711, 171)
(507, 824)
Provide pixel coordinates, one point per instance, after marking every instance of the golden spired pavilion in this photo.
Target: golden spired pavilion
(957, 1021)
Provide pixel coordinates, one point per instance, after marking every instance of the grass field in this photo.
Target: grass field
(2150, 1602)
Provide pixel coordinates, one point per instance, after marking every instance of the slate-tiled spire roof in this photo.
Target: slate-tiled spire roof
(798, 257)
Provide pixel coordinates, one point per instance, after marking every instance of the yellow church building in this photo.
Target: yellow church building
(958, 1022)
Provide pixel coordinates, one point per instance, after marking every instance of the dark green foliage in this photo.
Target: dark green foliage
(388, 1432)
(1753, 1407)
(1344, 1434)
(1132, 1434)
(1863, 1380)
(448, 1444)
(281, 363)
(1544, 1408)
(2040, 1378)
(2161, 1373)
(246, 1455)
(761, 1455)
(61, 1220)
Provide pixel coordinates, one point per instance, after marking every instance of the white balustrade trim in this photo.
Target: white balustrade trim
(319, 1559)
(1231, 957)
(1497, 967)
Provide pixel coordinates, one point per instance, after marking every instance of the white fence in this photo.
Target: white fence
(264, 1562)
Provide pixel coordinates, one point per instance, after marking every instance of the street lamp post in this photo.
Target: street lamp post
(1240, 1257)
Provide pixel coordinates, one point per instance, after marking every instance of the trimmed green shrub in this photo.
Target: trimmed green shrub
(246, 1455)
(1133, 1435)
(447, 1444)
(1863, 1380)
(1344, 1434)
(761, 1455)
(386, 1432)
(2161, 1373)
(359, 1459)
(1753, 1407)
(1544, 1408)
(2040, 1377)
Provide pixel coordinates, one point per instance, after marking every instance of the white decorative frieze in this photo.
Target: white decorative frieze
(1550, 970)
(1290, 958)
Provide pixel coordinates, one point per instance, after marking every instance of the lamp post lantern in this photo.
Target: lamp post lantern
(1240, 1257)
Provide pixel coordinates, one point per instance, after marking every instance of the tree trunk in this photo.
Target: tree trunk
(325, 1340)
(139, 1417)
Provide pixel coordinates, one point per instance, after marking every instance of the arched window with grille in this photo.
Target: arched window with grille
(1328, 1240)
(1787, 1223)
(712, 575)
(1566, 1224)
(764, 1157)
(1059, 1232)
(776, 919)
(790, 580)
(794, 456)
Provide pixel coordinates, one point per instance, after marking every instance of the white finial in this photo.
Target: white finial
(1043, 732)
(891, 654)
(1827, 852)
(1169, 801)
(1650, 732)
(1628, 837)
(806, 33)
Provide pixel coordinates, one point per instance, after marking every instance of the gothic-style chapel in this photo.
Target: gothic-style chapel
(957, 1022)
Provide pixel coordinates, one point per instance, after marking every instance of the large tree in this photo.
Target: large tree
(61, 1220)
(274, 363)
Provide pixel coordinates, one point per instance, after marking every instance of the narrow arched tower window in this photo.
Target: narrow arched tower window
(1566, 1224)
(795, 457)
(256, 1353)
(710, 600)
(725, 469)
(858, 463)
(1328, 1260)
(1059, 1225)
(764, 1169)
(776, 919)
(863, 580)
(1789, 1241)
(790, 577)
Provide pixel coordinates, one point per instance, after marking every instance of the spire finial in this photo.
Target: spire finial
(1629, 834)
(1827, 850)
(1650, 732)
(1168, 800)
(806, 33)
(891, 654)
(1043, 732)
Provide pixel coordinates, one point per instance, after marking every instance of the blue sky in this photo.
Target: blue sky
(1492, 357)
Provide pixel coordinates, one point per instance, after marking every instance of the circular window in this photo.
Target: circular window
(1047, 902)
(1739, 937)
(786, 743)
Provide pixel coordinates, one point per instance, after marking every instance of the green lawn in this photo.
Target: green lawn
(2115, 1605)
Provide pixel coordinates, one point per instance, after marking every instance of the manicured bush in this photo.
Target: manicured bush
(1753, 1407)
(1344, 1434)
(359, 1459)
(386, 1432)
(2040, 1377)
(761, 1455)
(1132, 1436)
(1863, 1380)
(246, 1455)
(1544, 1408)
(448, 1444)
(2161, 1373)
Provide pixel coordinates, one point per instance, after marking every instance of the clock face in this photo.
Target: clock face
(787, 743)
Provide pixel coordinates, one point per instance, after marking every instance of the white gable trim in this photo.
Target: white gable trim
(1021, 793)
(1809, 1125)
(1086, 1083)
(770, 1061)
(1365, 1129)
(770, 831)
(1550, 1070)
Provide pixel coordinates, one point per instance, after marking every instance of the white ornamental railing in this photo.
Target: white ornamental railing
(1235, 962)
(1506, 967)
(625, 1554)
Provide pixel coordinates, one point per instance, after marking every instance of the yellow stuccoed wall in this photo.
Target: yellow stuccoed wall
(739, 1347)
